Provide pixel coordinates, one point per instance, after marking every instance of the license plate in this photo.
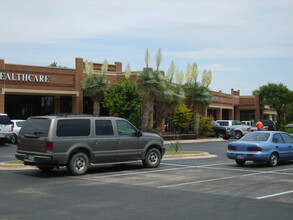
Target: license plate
(240, 156)
(30, 157)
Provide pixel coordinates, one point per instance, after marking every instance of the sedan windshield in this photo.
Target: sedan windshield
(255, 136)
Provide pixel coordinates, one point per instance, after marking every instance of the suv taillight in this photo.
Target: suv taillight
(49, 147)
(12, 127)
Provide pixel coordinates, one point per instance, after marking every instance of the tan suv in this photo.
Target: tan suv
(76, 141)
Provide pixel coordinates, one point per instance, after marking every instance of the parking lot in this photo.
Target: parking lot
(218, 178)
(206, 188)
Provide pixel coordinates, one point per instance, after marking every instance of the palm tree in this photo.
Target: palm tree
(198, 97)
(150, 84)
(167, 101)
(94, 86)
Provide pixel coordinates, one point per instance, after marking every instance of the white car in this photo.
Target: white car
(5, 128)
(16, 128)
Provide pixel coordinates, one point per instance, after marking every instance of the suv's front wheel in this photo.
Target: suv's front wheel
(153, 158)
(78, 164)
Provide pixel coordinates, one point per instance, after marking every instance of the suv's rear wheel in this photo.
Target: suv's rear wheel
(153, 158)
(78, 164)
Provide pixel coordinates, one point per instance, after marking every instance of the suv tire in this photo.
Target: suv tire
(220, 134)
(78, 164)
(153, 158)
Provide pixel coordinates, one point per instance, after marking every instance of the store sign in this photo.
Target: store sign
(24, 77)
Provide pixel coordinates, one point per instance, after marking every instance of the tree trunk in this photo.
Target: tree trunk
(96, 107)
(162, 112)
(196, 120)
(147, 108)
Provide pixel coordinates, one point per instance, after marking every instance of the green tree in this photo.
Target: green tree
(150, 84)
(54, 64)
(167, 100)
(94, 86)
(289, 113)
(123, 100)
(278, 97)
(197, 97)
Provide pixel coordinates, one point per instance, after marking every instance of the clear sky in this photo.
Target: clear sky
(245, 43)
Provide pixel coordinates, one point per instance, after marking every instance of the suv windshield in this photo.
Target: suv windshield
(36, 127)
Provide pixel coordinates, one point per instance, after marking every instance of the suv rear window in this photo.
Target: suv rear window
(5, 120)
(36, 127)
(104, 127)
(73, 127)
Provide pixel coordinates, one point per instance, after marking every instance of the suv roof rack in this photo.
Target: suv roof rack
(73, 115)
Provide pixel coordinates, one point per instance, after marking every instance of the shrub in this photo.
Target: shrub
(205, 126)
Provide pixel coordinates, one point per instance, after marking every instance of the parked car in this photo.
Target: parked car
(262, 146)
(5, 128)
(16, 126)
(289, 126)
(268, 124)
(75, 141)
(253, 125)
(220, 132)
(237, 129)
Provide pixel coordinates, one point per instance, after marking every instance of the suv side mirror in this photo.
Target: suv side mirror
(138, 133)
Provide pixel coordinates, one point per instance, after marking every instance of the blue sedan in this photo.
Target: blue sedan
(262, 146)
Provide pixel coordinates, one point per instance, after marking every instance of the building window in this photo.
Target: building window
(66, 104)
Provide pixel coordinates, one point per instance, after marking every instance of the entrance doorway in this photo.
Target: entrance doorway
(23, 106)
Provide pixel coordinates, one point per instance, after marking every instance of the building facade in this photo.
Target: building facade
(38, 90)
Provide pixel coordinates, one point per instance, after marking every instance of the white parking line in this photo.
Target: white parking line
(274, 195)
(205, 181)
(137, 173)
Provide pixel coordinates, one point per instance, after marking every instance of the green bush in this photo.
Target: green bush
(123, 100)
(205, 126)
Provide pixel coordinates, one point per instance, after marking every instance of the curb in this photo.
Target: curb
(188, 156)
(5, 166)
(194, 141)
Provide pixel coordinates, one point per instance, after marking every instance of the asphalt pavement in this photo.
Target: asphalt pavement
(198, 188)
